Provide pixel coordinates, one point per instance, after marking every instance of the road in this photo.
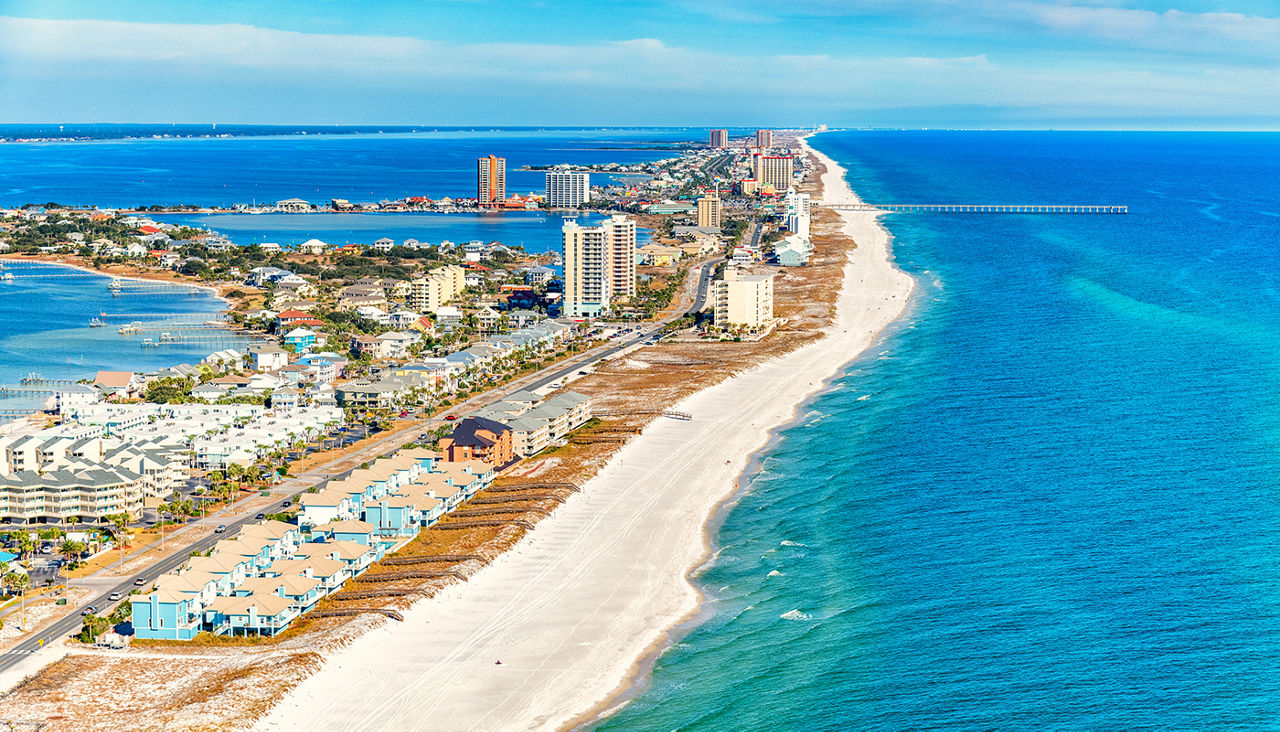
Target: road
(294, 487)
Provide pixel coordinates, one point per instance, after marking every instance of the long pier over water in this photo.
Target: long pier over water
(1002, 208)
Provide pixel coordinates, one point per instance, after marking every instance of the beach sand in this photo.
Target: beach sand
(574, 609)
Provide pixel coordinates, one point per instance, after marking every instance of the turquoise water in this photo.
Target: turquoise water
(1048, 499)
(44, 327)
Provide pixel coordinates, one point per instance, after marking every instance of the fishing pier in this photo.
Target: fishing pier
(975, 208)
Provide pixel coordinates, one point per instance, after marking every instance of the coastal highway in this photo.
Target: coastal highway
(70, 624)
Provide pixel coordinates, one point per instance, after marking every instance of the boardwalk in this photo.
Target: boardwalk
(1000, 208)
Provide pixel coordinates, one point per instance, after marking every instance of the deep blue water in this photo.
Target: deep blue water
(1048, 499)
(226, 171)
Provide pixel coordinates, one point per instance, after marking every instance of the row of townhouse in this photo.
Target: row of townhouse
(397, 496)
(257, 582)
(272, 572)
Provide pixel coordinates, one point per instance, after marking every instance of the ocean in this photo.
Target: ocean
(1047, 498)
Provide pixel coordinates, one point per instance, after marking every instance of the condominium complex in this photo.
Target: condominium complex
(437, 288)
(709, 211)
(774, 171)
(588, 261)
(491, 180)
(568, 190)
(719, 138)
(599, 265)
(743, 300)
(50, 477)
(764, 139)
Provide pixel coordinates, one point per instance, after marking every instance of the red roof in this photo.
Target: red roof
(148, 229)
(293, 315)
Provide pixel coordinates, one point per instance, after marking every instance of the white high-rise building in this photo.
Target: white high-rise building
(621, 232)
(798, 212)
(588, 260)
(568, 190)
(599, 265)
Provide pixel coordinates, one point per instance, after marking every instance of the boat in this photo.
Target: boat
(8, 277)
(148, 343)
(95, 323)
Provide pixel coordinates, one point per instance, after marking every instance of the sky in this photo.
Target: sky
(1094, 64)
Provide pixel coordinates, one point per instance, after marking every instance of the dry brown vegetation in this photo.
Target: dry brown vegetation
(220, 683)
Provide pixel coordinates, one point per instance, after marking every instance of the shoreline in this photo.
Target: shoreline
(613, 567)
(55, 261)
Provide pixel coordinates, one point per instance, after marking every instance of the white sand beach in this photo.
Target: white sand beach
(573, 609)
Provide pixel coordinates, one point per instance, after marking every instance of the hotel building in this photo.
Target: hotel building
(775, 171)
(719, 138)
(764, 139)
(568, 190)
(491, 180)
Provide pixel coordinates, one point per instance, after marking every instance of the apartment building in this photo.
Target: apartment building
(438, 288)
(568, 190)
(720, 138)
(742, 300)
(774, 171)
(764, 139)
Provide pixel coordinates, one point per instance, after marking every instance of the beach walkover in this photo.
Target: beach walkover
(974, 208)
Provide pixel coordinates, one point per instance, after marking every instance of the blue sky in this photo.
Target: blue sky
(911, 63)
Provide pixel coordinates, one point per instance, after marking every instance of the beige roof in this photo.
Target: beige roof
(350, 527)
(216, 564)
(263, 585)
(162, 596)
(245, 546)
(270, 529)
(266, 604)
(323, 498)
(188, 582)
(322, 567)
(113, 379)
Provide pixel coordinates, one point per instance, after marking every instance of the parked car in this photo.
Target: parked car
(222, 529)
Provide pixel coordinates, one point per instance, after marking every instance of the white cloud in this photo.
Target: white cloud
(605, 82)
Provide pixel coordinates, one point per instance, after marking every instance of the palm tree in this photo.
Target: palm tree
(70, 549)
(26, 545)
(19, 581)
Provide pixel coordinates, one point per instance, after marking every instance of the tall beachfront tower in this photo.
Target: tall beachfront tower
(599, 265)
(764, 139)
(620, 231)
(491, 180)
(720, 138)
(568, 190)
(588, 264)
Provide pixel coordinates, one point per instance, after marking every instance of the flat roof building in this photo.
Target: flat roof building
(491, 180)
(568, 190)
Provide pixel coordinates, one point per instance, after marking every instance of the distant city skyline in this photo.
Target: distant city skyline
(1178, 64)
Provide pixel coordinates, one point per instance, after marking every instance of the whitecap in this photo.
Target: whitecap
(864, 397)
(775, 573)
(795, 615)
(788, 542)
